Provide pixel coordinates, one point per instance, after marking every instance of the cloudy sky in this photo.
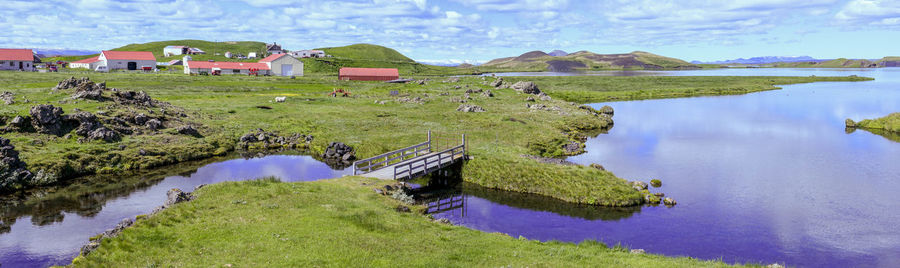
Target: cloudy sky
(474, 30)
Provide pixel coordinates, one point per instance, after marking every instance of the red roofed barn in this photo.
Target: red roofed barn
(369, 74)
(276, 64)
(127, 60)
(16, 59)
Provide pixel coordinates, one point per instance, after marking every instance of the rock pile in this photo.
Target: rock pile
(270, 138)
(607, 110)
(12, 169)
(19, 124)
(339, 151)
(91, 128)
(188, 130)
(89, 91)
(497, 83)
(526, 87)
(468, 108)
(71, 83)
(8, 98)
(47, 119)
(134, 98)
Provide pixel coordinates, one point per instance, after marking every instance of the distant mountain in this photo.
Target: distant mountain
(763, 60)
(558, 53)
(52, 52)
(586, 60)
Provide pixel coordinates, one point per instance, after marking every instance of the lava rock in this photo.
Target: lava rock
(19, 124)
(468, 108)
(12, 169)
(656, 183)
(498, 82)
(153, 124)
(526, 87)
(607, 110)
(849, 123)
(598, 166)
(669, 201)
(134, 98)
(639, 185)
(8, 98)
(140, 119)
(47, 119)
(339, 151)
(175, 196)
(188, 130)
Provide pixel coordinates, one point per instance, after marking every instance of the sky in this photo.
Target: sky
(456, 31)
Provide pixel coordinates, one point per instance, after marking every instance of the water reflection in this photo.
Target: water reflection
(47, 226)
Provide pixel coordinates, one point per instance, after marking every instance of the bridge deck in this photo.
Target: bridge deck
(420, 166)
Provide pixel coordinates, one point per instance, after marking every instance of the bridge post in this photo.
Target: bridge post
(464, 143)
(429, 141)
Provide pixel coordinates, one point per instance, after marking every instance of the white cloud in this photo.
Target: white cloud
(870, 12)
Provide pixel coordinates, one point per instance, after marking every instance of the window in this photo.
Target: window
(11, 64)
(236, 71)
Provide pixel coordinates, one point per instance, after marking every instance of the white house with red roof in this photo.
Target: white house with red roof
(276, 64)
(89, 63)
(127, 60)
(17, 59)
(283, 65)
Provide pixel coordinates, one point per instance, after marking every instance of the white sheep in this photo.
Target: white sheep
(280, 99)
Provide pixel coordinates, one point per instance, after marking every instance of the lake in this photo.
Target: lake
(764, 177)
(50, 225)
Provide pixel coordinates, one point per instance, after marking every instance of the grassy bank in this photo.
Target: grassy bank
(888, 126)
(587, 89)
(334, 223)
(372, 120)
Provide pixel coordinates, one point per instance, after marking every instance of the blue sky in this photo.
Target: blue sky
(474, 30)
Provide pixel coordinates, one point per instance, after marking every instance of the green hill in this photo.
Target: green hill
(367, 52)
(586, 60)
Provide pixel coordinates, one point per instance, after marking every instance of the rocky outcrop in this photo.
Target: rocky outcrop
(47, 119)
(272, 139)
(526, 87)
(607, 110)
(91, 128)
(71, 83)
(188, 130)
(497, 82)
(850, 123)
(669, 201)
(8, 98)
(468, 108)
(19, 124)
(339, 151)
(134, 98)
(12, 169)
(656, 183)
(639, 185)
(153, 124)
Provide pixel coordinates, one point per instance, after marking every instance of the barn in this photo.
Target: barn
(89, 63)
(17, 59)
(283, 65)
(225, 67)
(127, 60)
(368, 74)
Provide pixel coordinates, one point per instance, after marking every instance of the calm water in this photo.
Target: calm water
(48, 227)
(765, 177)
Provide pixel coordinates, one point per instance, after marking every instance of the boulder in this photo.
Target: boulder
(544, 97)
(339, 151)
(188, 130)
(637, 251)
(607, 110)
(526, 87)
(86, 121)
(598, 166)
(656, 183)
(498, 82)
(639, 185)
(12, 169)
(175, 196)
(133, 98)
(669, 201)
(47, 119)
(529, 98)
(8, 98)
(468, 108)
(140, 119)
(488, 94)
(153, 124)
(19, 124)
(104, 134)
(72, 83)
(849, 123)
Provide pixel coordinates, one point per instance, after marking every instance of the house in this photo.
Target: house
(175, 50)
(17, 59)
(274, 48)
(195, 51)
(308, 54)
(127, 60)
(368, 74)
(283, 65)
(251, 55)
(89, 63)
(276, 64)
(225, 67)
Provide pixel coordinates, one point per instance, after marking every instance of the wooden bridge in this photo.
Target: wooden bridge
(411, 162)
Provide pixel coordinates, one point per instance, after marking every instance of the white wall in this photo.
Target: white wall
(26, 65)
(123, 64)
(224, 71)
(171, 51)
(275, 66)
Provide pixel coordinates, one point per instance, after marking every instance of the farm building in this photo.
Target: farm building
(17, 59)
(225, 67)
(277, 64)
(181, 50)
(127, 60)
(308, 54)
(283, 65)
(274, 48)
(369, 74)
(89, 63)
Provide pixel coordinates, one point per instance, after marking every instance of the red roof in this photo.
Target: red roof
(16, 54)
(272, 57)
(369, 72)
(226, 65)
(88, 60)
(129, 55)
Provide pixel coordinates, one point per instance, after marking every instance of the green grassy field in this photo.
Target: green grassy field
(226, 107)
(333, 223)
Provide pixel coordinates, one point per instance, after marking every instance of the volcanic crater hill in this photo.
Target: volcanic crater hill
(586, 60)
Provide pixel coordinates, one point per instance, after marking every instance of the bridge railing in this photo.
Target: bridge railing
(373, 163)
(418, 168)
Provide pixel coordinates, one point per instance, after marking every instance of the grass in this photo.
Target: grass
(367, 52)
(226, 108)
(887, 126)
(334, 223)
